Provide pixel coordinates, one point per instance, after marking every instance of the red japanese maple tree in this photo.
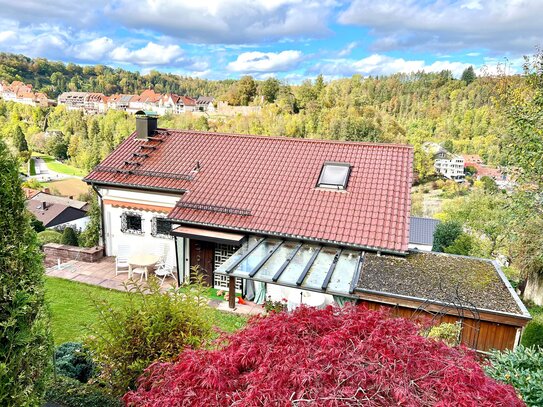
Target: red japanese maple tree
(331, 357)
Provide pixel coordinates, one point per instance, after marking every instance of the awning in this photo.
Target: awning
(306, 266)
(208, 235)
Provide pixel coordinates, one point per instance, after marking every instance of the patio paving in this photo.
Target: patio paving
(103, 274)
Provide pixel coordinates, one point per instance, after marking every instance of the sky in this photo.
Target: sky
(288, 39)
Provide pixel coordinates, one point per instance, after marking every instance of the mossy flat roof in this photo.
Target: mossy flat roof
(456, 280)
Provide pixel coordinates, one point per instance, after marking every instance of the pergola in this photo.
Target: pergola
(307, 266)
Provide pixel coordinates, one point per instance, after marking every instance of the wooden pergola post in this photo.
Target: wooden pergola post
(232, 292)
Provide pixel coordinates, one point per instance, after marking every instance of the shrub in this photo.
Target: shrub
(463, 245)
(49, 236)
(25, 338)
(445, 235)
(275, 306)
(523, 369)
(36, 224)
(69, 237)
(151, 326)
(91, 235)
(72, 393)
(533, 333)
(446, 332)
(330, 357)
(74, 361)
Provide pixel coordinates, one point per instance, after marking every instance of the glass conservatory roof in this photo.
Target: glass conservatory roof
(295, 264)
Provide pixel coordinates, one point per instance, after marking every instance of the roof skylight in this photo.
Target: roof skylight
(334, 175)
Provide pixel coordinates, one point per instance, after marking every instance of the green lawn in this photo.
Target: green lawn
(72, 309)
(56, 166)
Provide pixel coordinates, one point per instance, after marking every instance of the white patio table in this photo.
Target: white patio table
(143, 261)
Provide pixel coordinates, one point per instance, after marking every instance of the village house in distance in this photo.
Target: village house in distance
(312, 221)
(19, 92)
(148, 100)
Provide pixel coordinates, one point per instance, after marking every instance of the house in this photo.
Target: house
(58, 211)
(95, 103)
(205, 104)
(421, 233)
(312, 221)
(73, 100)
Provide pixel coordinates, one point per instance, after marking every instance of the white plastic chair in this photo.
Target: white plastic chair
(121, 261)
(142, 271)
(160, 250)
(167, 268)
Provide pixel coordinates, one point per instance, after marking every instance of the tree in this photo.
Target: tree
(484, 215)
(25, 339)
(270, 89)
(329, 357)
(19, 140)
(445, 235)
(468, 75)
(69, 237)
(246, 89)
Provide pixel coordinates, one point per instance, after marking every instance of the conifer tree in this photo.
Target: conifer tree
(25, 340)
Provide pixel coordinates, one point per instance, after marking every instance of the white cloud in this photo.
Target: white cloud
(151, 54)
(256, 61)
(378, 64)
(95, 49)
(348, 49)
(226, 21)
(497, 25)
(7, 36)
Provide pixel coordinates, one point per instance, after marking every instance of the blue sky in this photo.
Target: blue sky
(289, 39)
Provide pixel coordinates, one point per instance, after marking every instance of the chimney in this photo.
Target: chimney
(43, 205)
(146, 124)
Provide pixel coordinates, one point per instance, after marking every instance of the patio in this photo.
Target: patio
(102, 274)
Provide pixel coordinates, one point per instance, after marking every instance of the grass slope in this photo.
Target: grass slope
(72, 309)
(62, 168)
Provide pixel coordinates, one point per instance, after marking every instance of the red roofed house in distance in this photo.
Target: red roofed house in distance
(312, 221)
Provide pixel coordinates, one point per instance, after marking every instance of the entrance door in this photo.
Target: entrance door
(201, 255)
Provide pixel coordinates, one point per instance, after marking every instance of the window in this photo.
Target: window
(161, 227)
(131, 223)
(334, 175)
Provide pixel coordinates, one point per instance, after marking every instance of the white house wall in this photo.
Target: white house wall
(112, 215)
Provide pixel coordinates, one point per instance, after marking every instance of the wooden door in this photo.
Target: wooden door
(201, 255)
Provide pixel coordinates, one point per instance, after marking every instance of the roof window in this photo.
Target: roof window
(334, 175)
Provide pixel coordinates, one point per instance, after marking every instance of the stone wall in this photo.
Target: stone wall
(534, 289)
(54, 251)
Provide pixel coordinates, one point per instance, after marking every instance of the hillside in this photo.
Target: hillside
(402, 108)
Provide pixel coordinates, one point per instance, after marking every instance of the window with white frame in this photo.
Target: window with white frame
(131, 222)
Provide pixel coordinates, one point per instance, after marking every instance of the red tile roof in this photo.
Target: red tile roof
(267, 184)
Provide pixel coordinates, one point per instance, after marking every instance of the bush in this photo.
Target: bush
(49, 236)
(533, 333)
(72, 393)
(74, 361)
(151, 326)
(69, 237)
(91, 235)
(329, 357)
(523, 369)
(25, 337)
(446, 332)
(36, 224)
(445, 235)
